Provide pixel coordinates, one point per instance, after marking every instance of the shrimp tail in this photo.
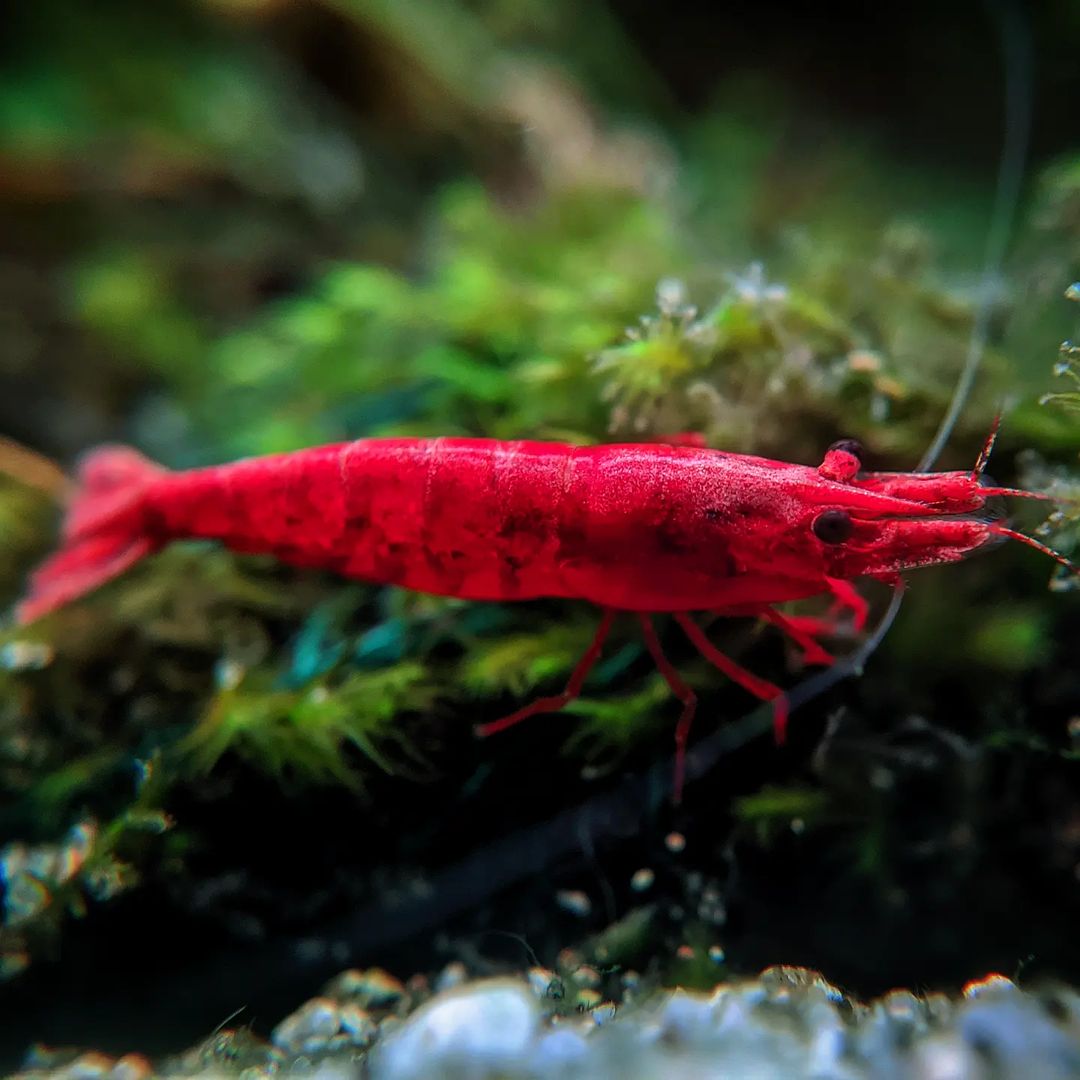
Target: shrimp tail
(105, 530)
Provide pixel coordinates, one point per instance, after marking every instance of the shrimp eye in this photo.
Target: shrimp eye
(850, 446)
(833, 526)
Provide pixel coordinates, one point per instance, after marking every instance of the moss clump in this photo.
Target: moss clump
(305, 735)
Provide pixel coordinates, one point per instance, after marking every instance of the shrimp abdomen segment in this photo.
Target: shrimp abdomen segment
(476, 519)
(287, 505)
(479, 519)
(638, 528)
(470, 518)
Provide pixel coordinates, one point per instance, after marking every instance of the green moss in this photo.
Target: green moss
(519, 663)
(614, 724)
(1061, 484)
(305, 735)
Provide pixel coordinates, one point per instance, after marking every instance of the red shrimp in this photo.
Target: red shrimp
(641, 528)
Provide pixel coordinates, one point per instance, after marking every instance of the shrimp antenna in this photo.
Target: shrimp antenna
(987, 449)
(1012, 534)
(980, 466)
(1015, 493)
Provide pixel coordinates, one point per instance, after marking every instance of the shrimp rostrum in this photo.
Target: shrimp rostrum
(639, 528)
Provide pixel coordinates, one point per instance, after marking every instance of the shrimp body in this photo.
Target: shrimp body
(635, 527)
(644, 528)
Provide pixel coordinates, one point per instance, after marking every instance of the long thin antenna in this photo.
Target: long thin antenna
(1012, 534)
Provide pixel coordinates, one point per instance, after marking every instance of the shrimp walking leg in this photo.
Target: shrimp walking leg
(802, 630)
(813, 653)
(681, 691)
(753, 684)
(573, 685)
(846, 598)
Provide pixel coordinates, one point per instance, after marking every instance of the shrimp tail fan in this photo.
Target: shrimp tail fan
(105, 530)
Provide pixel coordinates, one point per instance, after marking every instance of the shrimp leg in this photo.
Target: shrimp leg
(813, 653)
(804, 629)
(573, 685)
(680, 690)
(760, 688)
(848, 598)
(845, 598)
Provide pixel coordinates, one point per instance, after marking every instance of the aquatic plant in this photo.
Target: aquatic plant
(304, 735)
(1060, 483)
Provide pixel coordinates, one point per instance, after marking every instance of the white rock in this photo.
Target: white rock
(685, 1016)
(310, 1027)
(477, 1031)
(558, 1051)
